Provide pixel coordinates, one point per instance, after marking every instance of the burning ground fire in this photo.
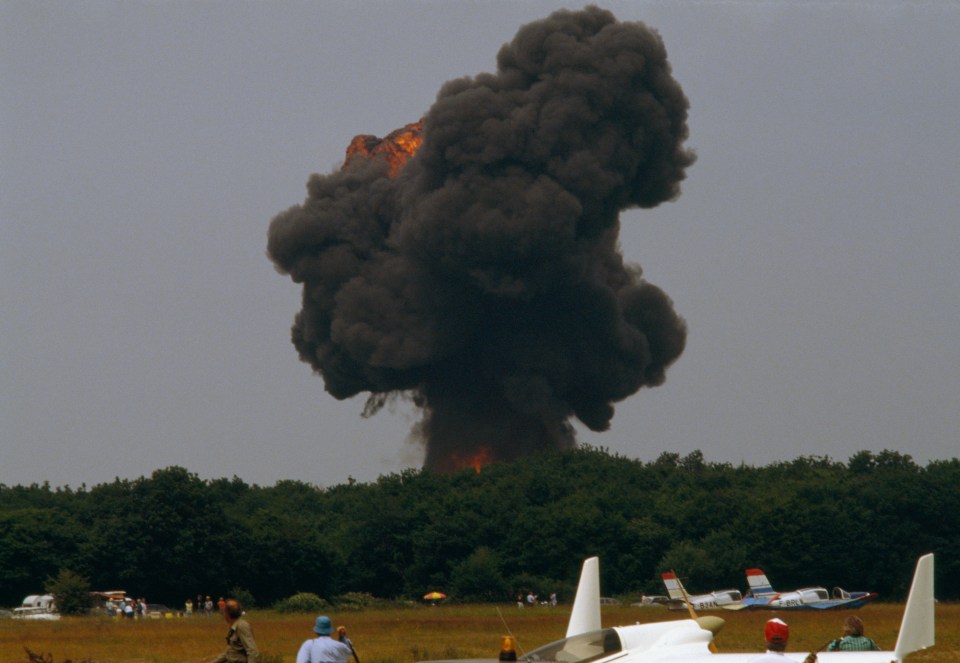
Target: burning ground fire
(455, 462)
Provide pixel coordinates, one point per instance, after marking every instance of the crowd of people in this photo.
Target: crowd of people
(118, 605)
(203, 606)
(126, 607)
(532, 599)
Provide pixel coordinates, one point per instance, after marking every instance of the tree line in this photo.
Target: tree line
(484, 536)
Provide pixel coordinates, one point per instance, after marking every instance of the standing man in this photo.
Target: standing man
(323, 648)
(241, 647)
(776, 633)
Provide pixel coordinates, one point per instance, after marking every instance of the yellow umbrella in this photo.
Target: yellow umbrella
(434, 596)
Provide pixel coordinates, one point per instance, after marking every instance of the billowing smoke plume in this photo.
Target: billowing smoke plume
(483, 278)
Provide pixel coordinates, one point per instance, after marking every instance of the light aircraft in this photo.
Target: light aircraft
(690, 640)
(680, 598)
(762, 595)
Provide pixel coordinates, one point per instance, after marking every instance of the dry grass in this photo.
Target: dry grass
(423, 633)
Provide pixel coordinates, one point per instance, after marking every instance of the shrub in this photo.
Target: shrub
(71, 592)
(354, 601)
(243, 596)
(301, 602)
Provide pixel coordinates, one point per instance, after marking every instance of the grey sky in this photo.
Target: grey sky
(147, 145)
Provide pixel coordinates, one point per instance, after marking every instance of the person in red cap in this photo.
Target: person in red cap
(776, 633)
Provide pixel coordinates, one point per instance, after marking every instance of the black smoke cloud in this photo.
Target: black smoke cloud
(485, 280)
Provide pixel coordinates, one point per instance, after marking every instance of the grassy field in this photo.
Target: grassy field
(421, 633)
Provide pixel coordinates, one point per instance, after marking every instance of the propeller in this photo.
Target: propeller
(712, 624)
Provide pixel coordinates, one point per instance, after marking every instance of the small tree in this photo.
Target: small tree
(71, 592)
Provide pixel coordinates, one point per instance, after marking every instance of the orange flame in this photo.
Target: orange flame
(455, 462)
(397, 147)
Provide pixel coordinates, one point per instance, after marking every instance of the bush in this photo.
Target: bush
(243, 596)
(301, 602)
(71, 592)
(354, 601)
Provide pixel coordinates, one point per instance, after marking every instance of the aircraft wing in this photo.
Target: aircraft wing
(736, 606)
(676, 655)
(831, 605)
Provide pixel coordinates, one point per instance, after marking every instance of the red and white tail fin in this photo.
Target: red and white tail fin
(674, 589)
(758, 583)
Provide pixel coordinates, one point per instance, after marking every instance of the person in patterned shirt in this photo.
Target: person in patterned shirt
(853, 638)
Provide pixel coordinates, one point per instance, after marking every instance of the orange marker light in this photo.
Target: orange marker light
(508, 649)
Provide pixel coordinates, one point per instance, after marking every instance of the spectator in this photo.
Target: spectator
(323, 648)
(853, 638)
(776, 633)
(241, 647)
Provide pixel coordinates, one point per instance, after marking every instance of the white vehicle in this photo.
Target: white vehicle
(690, 640)
(37, 606)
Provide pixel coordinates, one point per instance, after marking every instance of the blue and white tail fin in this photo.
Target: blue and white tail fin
(585, 616)
(758, 583)
(917, 627)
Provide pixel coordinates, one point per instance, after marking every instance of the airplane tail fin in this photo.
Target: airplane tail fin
(758, 583)
(674, 588)
(585, 615)
(917, 627)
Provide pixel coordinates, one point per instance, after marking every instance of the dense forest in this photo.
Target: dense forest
(525, 525)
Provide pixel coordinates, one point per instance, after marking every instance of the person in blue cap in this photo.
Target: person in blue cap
(323, 648)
